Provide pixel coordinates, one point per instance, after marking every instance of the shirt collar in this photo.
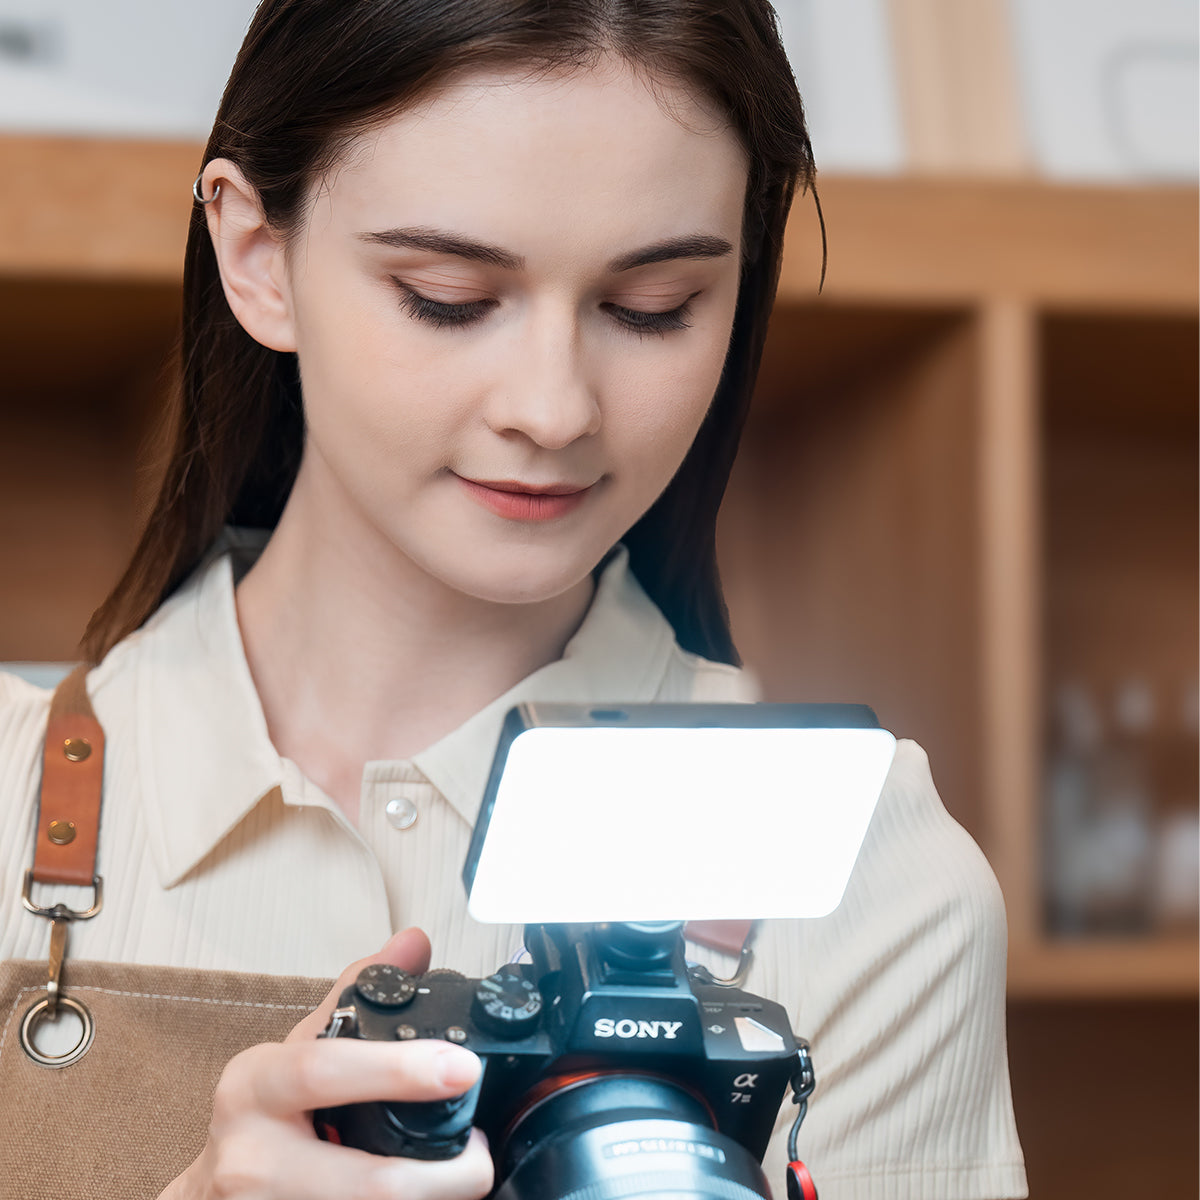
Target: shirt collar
(203, 749)
(205, 754)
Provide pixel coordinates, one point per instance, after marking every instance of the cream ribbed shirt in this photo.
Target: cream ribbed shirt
(216, 852)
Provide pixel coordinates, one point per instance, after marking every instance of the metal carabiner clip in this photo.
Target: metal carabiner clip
(47, 1008)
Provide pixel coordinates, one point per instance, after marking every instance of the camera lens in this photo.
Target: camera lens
(618, 1135)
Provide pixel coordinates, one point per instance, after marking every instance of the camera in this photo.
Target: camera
(611, 1069)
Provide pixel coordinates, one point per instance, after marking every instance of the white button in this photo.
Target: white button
(401, 813)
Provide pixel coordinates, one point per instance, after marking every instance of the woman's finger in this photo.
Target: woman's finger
(256, 1164)
(282, 1080)
(469, 1179)
(408, 950)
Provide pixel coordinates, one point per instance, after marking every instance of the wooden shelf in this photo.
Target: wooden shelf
(1161, 967)
(78, 208)
(947, 241)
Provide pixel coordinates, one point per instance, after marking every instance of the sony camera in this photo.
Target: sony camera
(610, 1069)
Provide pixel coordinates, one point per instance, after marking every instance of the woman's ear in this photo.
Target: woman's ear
(251, 258)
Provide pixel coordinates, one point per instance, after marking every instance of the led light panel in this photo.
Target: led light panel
(624, 824)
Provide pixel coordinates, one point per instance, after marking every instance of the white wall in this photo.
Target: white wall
(142, 67)
(1109, 87)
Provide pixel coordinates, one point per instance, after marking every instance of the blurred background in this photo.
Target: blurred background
(967, 496)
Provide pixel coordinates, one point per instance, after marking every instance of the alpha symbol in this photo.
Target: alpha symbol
(746, 1081)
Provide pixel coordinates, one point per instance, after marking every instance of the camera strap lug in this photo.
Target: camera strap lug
(729, 937)
(804, 1080)
(800, 1185)
(341, 1019)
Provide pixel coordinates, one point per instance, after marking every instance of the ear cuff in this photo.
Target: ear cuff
(199, 195)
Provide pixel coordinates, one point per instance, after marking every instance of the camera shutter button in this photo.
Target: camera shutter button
(386, 986)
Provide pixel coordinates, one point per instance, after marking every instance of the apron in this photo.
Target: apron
(124, 1112)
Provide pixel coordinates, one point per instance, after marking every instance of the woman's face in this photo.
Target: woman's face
(511, 306)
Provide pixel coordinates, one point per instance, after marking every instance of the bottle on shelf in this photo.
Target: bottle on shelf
(1100, 837)
(1175, 893)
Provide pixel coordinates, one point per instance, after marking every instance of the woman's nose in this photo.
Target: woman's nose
(547, 394)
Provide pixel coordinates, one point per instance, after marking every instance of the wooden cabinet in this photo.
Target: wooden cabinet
(970, 470)
(971, 481)
(969, 478)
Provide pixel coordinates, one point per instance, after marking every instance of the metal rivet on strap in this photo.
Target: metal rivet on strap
(77, 749)
(61, 832)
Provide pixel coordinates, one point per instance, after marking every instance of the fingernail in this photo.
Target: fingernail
(457, 1068)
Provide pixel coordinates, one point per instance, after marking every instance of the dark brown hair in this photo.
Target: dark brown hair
(311, 75)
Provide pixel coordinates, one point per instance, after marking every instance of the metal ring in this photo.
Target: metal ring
(200, 195)
(33, 1018)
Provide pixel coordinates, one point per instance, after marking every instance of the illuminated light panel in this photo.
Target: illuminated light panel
(600, 824)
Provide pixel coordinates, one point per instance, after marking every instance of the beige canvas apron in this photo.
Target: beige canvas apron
(126, 1112)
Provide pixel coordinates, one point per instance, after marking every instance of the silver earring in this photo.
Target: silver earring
(200, 195)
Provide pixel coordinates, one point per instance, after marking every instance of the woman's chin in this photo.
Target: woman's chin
(522, 576)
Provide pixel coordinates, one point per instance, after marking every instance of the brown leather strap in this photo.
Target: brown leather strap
(72, 779)
(727, 936)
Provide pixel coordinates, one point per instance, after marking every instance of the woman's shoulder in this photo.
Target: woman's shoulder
(690, 677)
(24, 702)
(916, 845)
(27, 690)
(24, 710)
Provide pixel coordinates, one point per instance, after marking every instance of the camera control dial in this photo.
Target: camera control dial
(385, 985)
(506, 1004)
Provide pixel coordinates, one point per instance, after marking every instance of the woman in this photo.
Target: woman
(475, 296)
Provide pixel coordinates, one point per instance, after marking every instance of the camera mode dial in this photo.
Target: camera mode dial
(506, 1004)
(385, 985)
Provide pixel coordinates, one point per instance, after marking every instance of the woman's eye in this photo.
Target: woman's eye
(439, 315)
(652, 322)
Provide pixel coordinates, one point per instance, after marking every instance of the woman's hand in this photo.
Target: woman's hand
(261, 1143)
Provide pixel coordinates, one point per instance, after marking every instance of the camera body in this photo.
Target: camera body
(604, 1035)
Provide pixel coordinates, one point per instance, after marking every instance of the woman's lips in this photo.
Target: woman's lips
(525, 502)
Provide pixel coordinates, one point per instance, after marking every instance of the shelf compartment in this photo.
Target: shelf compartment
(85, 365)
(849, 540)
(1119, 627)
(1105, 1096)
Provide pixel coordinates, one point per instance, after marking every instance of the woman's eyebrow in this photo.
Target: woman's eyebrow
(698, 245)
(421, 238)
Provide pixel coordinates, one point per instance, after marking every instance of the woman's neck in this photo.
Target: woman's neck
(359, 655)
